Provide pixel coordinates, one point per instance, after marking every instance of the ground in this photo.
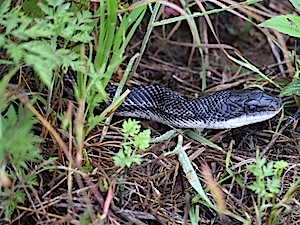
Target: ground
(157, 191)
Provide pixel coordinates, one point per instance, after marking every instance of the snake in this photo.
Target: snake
(217, 110)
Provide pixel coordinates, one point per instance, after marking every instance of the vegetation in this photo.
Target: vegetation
(140, 141)
(64, 160)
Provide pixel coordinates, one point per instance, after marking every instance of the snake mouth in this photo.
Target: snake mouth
(252, 119)
(276, 105)
(243, 120)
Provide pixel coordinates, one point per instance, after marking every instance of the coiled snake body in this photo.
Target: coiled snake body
(223, 109)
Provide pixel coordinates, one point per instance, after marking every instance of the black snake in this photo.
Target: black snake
(218, 110)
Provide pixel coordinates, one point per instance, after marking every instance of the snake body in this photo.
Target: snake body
(223, 109)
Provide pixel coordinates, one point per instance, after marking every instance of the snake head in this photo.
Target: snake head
(249, 106)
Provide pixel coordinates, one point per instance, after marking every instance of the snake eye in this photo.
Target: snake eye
(251, 108)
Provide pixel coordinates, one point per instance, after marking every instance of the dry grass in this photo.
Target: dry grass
(89, 187)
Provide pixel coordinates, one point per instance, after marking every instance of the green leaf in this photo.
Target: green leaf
(136, 159)
(202, 139)
(273, 185)
(268, 169)
(287, 24)
(18, 143)
(84, 37)
(296, 4)
(2, 40)
(131, 127)
(12, 20)
(15, 51)
(258, 187)
(127, 149)
(10, 204)
(19, 32)
(31, 8)
(43, 69)
(122, 160)
(257, 171)
(141, 141)
(32, 180)
(55, 3)
(189, 171)
(4, 7)
(292, 88)
(93, 121)
(261, 162)
(119, 158)
(19, 196)
(38, 30)
(281, 164)
(279, 167)
(63, 9)
(46, 9)
(3, 102)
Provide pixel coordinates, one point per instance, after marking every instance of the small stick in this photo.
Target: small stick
(290, 122)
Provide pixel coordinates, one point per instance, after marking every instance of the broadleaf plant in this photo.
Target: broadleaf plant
(18, 146)
(288, 24)
(133, 140)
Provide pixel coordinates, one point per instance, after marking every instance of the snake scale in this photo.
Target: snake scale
(218, 110)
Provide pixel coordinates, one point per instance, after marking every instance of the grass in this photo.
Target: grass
(61, 161)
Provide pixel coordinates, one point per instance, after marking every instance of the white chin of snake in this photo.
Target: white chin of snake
(242, 121)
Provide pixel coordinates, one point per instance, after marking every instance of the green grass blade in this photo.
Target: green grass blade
(190, 172)
(202, 140)
(107, 32)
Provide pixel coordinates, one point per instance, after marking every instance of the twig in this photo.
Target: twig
(290, 122)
